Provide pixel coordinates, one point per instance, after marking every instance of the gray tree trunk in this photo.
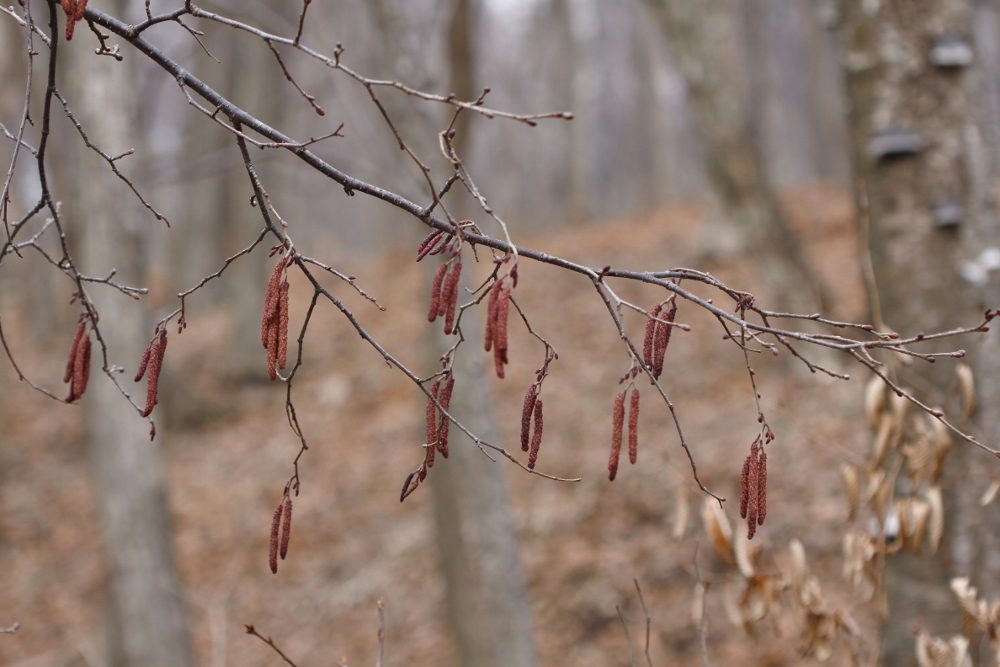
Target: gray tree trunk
(709, 42)
(931, 276)
(147, 619)
(487, 596)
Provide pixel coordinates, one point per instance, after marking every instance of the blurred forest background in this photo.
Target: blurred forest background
(722, 135)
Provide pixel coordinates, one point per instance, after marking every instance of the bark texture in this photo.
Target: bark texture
(931, 275)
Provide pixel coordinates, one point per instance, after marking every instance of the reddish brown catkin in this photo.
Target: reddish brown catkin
(745, 488)
(282, 325)
(633, 426)
(536, 436)
(272, 350)
(617, 424)
(647, 343)
(529, 405)
(500, 332)
(272, 554)
(436, 292)
(286, 528)
(662, 339)
(761, 488)
(143, 363)
(445, 401)
(271, 302)
(445, 296)
(83, 356)
(753, 497)
(77, 337)
(432, 423)
(491, 315)
(428, 244)
(153, 374)
(451, 289)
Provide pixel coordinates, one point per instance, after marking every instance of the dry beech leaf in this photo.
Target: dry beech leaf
(901, 510)
(974, 610)
(936, 525)
(849, 476)
(936, 652)
(919, 511)
(941, 437)
(718, 528)
(883, 437)
(990, 494)
(967, 388)
(747, 554)
(874, 400)
(682, 514)
(800, 569)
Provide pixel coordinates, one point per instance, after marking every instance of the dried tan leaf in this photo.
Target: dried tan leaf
(849, 476)
(718, 528)
(991, 493)
(967, 388)
(901, 510)
(883, 437)
(936, 525)
(920, 511)
(974, 610)
(942, 442)
(747, 554)
(874, 400)
(800, 569)
(682, 514)
(936, 652)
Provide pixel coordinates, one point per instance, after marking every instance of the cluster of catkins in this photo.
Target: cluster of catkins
(753, 487)
(618, 427)
(657, 337)
(274, 322)
(437, 423)
(444, 294)
(283, 510)
(531, 433)
(497, 308)
(78, 364)
(150, 365)
(74, 12)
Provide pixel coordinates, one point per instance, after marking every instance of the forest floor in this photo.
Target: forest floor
(582, 544)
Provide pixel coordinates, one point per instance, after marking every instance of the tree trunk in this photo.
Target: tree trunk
(710, 46)
(924, 142)
(486, 595)
(147, 618)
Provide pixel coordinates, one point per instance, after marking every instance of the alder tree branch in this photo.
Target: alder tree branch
(749, 326)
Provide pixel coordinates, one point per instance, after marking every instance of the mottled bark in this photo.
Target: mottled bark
(930, 275)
